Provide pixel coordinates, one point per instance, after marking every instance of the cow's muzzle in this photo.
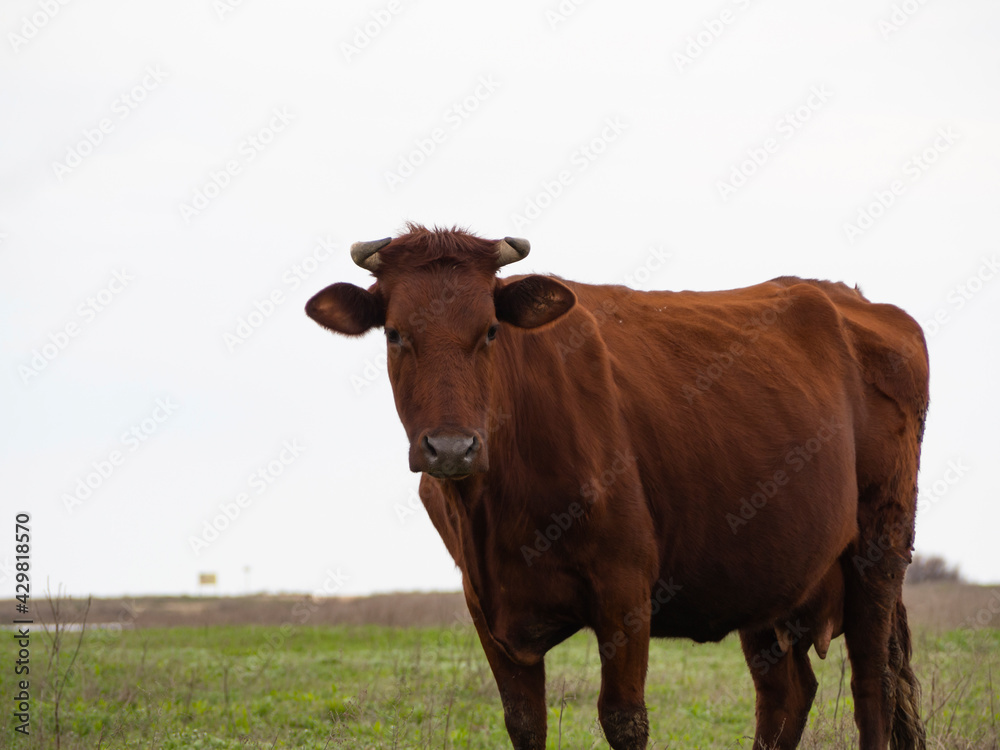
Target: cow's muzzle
(449, 455)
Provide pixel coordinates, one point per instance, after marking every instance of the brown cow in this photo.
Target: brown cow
(666, 464)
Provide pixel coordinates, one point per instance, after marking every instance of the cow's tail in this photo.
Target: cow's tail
(907, 728)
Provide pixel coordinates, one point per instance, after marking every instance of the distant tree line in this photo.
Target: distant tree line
(925, 569)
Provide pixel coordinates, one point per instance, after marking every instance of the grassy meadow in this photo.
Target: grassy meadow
(377, 686)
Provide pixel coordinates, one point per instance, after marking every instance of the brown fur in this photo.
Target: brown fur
(421, 247)
(660, 464)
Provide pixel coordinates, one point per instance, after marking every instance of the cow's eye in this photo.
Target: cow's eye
(492, 332)
(392, 336)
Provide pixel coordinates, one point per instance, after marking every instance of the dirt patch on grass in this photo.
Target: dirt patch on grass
(403, 610)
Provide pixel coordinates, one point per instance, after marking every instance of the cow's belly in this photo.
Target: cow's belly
(747, 547)
(764, 580)
(705, 619)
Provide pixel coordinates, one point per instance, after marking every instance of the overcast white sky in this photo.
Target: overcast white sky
(236, 142)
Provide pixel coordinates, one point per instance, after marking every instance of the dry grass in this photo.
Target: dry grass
(946, 606)
(394, 610)
(934, 606)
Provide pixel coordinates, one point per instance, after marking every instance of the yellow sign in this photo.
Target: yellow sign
(207, 579)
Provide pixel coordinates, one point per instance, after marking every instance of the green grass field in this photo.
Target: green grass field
(382, 687)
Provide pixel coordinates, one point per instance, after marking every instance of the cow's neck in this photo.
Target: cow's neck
(544, 461)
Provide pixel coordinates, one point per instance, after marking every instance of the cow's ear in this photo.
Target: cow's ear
(533, 301)
(345, 308)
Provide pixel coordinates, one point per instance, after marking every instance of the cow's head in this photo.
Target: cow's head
(445, 315)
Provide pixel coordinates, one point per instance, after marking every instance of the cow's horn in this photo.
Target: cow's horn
(365, 254)
(511, 249)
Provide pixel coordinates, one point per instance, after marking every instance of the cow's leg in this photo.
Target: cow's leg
(522, 692)
(785, 686)
(867, 623)
(624, 647)
(886, 692)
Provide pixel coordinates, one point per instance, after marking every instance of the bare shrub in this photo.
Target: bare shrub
(932, 568)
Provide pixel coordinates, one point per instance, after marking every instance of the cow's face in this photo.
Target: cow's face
(445, 324)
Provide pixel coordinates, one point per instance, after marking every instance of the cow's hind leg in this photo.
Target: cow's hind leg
(785, 686)
(886, 691)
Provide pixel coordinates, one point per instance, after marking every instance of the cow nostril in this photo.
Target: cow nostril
(473, 447)
(429, 448)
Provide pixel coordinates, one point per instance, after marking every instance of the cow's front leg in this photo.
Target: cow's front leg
(623, 640)
(522, 691)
